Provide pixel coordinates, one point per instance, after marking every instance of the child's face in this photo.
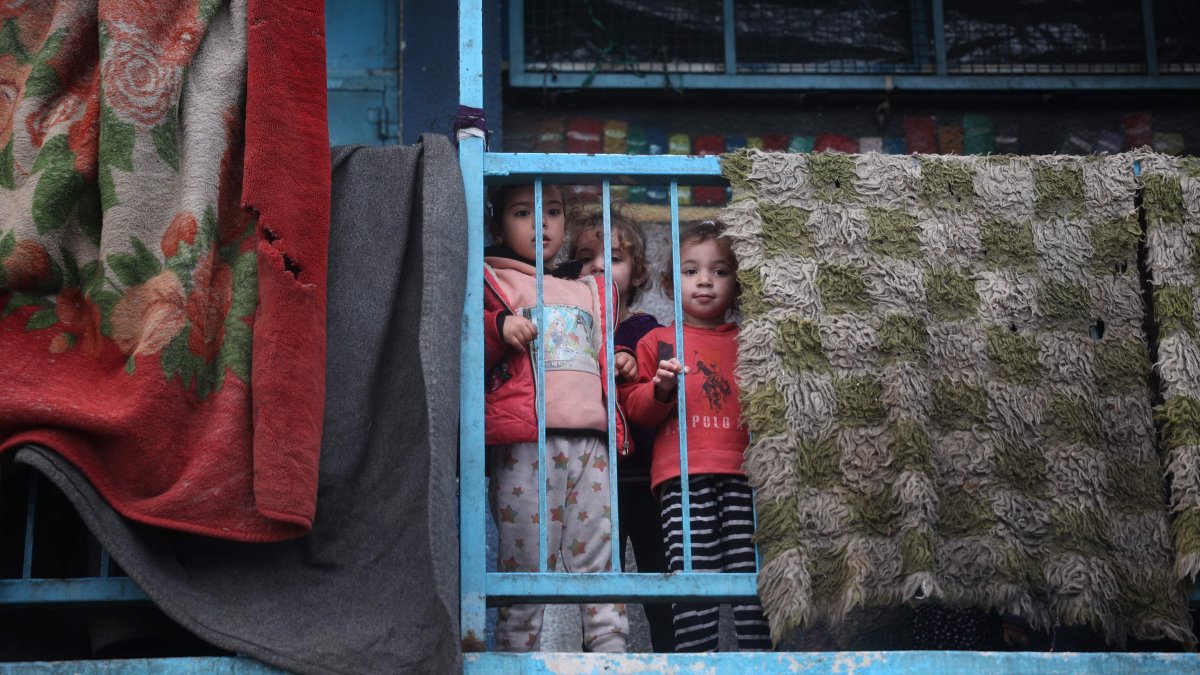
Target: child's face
(708, 282)
(590, 252)
(516, 222)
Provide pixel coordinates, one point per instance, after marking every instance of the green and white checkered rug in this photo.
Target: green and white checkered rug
(944, 369)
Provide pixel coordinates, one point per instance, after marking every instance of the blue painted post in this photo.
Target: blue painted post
(516, 37)
(472, 458)
(539, 320)
(1151, 40)
(729, 24)
(30, 521)
(920, 33)
(685, 514)
(939, 37)
(611, 319)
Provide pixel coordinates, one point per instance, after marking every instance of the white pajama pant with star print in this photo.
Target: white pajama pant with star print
(578, 532)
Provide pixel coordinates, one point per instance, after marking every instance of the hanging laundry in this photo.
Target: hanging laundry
(894, 146)
(950, 140)
(920, 135)
(776, 142)
(1168, 142)
(1107, 141)
(801, 144)
(708, 195)
(636, 144)
(1138, 131)
(681, 144)
(835, 143)
(616, 134)
(585, 135)
(551, 136)
(870, 144)
(656, 144)
(1078, 142)
(977, 135)
(1007, 141)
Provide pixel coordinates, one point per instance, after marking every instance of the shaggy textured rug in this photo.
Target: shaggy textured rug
(944, 371)
(1171, 202)
(162, 296)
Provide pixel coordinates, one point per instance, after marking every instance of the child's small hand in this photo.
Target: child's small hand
(627, 367)
(665, 379)
(518, 332)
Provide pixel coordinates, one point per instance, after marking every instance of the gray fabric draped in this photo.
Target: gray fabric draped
(374, 588)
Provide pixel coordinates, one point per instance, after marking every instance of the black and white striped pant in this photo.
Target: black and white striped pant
(722, 510)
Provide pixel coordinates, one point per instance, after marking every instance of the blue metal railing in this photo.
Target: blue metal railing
(481, 588)
(30, 590)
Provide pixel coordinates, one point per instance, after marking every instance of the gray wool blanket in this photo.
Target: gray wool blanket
(374, 587)
(944, 371)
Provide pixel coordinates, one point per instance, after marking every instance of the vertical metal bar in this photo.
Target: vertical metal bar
(30, 521)
(611, 318)
(539, 320)
(516, 37)
(103, 563)
(685, 515)
(939, 36)
(730, 25)
(920, 32)
(472, 454)
(1151, 39)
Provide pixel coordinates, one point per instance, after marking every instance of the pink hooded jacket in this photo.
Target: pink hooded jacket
(575, 361)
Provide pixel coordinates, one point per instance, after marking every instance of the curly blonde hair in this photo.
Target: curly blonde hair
(626, 232)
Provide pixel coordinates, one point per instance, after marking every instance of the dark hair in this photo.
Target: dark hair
(696, 233)
(633, 241)
(497, 200)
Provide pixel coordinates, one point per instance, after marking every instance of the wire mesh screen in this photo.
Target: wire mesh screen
(1045, 36)
(1175, 25)
(678, 36)
(832, 36)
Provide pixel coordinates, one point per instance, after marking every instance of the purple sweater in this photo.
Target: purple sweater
(636, 466)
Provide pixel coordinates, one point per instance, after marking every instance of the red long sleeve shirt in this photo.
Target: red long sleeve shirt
(716, 437)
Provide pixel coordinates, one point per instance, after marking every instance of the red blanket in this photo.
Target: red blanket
(164, 203)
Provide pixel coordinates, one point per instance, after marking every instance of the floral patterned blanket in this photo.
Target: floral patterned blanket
(161, 299)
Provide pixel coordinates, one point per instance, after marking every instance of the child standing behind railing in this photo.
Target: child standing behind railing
(637, 508)
(579, 529)
(722, 511)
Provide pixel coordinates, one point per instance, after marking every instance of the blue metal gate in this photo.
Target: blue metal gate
(479, 588)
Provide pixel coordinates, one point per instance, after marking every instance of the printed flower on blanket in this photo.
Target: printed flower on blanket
(105, 248)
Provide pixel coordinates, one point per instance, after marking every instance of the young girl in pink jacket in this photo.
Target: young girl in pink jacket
(579, 528)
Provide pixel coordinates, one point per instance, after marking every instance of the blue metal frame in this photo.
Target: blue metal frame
(472, 565)
(865, 78)
(480, 588)
(858, 663)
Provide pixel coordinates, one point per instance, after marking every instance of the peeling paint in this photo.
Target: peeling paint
(849, 662)
(842, 663)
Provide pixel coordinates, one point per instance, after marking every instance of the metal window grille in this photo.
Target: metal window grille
(862, 44)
